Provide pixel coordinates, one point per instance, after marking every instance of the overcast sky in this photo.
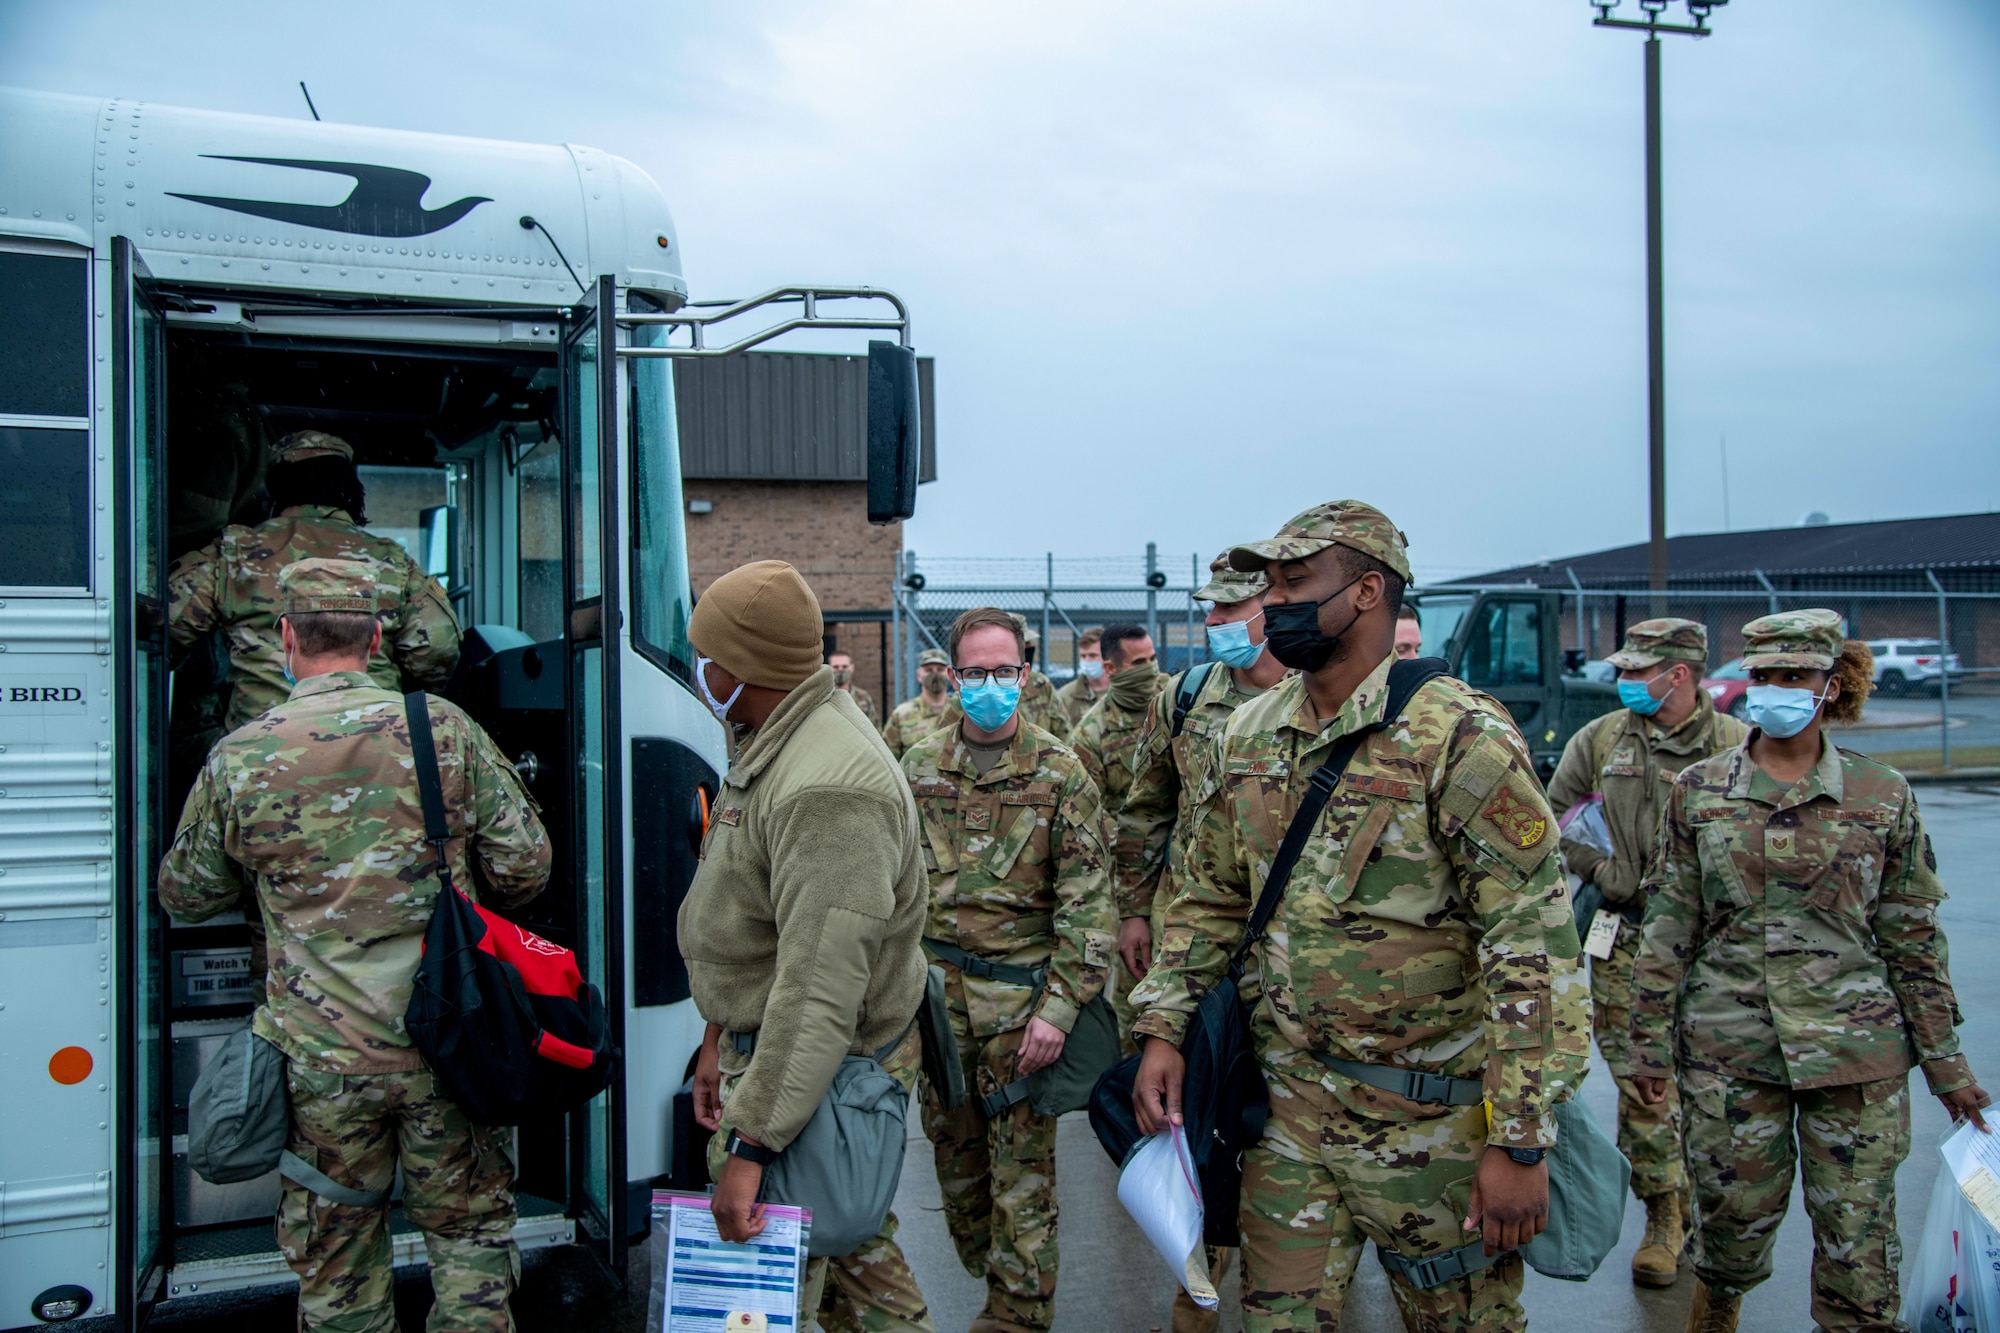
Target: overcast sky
(1188, 267)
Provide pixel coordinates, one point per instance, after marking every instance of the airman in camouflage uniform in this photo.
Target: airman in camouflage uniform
(314, 808)
(1039, 706)
(843, 679)
(917, 718)
(1167, 771)
(1426, 928)
(1106, 740)
(1790, 973)
(232, 585)
(1084, 689)
(1018, 863)
(1631, 759)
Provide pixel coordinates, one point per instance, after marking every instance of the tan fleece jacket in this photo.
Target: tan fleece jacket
(803, 923)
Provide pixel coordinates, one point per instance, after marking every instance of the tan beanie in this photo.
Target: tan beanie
(761, 624)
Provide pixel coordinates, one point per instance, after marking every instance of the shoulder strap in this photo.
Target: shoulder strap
(423, 750)
(1405, 678)
(1193, 680)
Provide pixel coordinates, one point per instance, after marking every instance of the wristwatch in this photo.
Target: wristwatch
(737, 1146)
(1525, 1156)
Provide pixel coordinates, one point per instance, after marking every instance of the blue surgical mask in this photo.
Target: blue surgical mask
(1779, 710)
(989, 704)
(1231, 644)
(290, 679)
(1637, 695)
(1092, 667)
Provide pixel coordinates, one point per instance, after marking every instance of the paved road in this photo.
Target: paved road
(1975, 720)
(1112, 1282)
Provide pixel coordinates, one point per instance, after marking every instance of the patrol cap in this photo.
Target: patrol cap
(1666, 639)
(1228, 584)
(933, 657)
(1350, 523)
(1029, 634)
(1810, 639)
(303, 444)
(319, 584)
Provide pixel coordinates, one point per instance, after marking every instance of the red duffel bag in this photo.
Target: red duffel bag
(503, 1017)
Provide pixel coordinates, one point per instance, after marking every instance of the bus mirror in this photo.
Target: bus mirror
(894, 432)
(437, 543)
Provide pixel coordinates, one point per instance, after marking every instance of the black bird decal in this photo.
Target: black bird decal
(386, 201)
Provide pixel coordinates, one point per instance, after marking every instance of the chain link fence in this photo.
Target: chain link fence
(1061, 598)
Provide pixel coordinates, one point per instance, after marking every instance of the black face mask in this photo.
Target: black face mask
(1292, 633)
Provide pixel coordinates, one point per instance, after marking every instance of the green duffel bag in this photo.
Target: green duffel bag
(239, 1116)
(845, 1163)
(1588, 1177)
(943, 1070)
(1091, 1048)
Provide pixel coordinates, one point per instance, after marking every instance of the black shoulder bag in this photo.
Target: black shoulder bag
(503, 1017)
(1224, 1102)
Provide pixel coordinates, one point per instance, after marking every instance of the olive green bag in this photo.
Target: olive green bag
(1092, 1046)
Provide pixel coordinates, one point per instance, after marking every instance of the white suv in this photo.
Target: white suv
(1905, 664)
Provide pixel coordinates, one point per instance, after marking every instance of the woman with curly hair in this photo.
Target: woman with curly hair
(1790, 972)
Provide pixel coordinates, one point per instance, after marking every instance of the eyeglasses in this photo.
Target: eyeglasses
(1006, 675)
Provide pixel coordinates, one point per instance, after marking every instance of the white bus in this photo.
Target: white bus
(490, 325)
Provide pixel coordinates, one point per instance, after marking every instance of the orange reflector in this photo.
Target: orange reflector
(701, 795)
(71, 1064)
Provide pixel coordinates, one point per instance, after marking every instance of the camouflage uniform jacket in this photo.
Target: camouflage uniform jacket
(912, 720)
(1107, 740)
(1791, 934)
(232, 585)
(1426, 925)
(316, 803)
(865, 702)
(1077, 698)
(1168, 771)
(1633, 763)
(1040, 707)
(1017, 863)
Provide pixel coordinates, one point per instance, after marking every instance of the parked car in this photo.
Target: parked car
(1903, 665)
(1599, 670)
(1726, 685)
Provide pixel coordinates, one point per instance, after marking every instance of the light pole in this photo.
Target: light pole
(1653, 24)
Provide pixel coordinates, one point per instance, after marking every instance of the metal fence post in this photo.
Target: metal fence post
(1768, 588)
(1152, 594)
(1944, 672)
(910, 618)
(895, 640)
(1048, 595)
(1194, 586)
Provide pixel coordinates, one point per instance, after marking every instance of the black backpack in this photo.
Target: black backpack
(1224, 1102)
(503, 1017)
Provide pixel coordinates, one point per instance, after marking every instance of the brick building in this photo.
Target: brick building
(1885, 577)
(775, 467)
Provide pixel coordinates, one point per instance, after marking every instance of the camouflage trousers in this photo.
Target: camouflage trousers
(1323, 1181)
(1743, 1140)
(457, 1189)
(998, 1178)
(1649, 1136)
(872, 1289)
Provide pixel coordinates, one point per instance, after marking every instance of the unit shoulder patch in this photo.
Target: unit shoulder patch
(1515, 820)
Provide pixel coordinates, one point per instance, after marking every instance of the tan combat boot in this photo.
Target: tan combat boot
(1711, 1313)
(1657, 1263)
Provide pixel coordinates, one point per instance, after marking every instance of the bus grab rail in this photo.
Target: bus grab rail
(698, 323)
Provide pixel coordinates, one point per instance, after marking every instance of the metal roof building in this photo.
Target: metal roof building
(1963, 550)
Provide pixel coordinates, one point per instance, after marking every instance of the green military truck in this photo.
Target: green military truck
(1508, 642)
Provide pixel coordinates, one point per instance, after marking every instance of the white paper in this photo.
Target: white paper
(715, 1286)
(1974, 1159)
(1603, 935)
(1158, 1188)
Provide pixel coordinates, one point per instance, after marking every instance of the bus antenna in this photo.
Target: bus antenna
(309, 100)
(529, 224)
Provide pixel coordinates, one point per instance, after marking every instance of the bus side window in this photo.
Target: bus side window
(44, 373)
